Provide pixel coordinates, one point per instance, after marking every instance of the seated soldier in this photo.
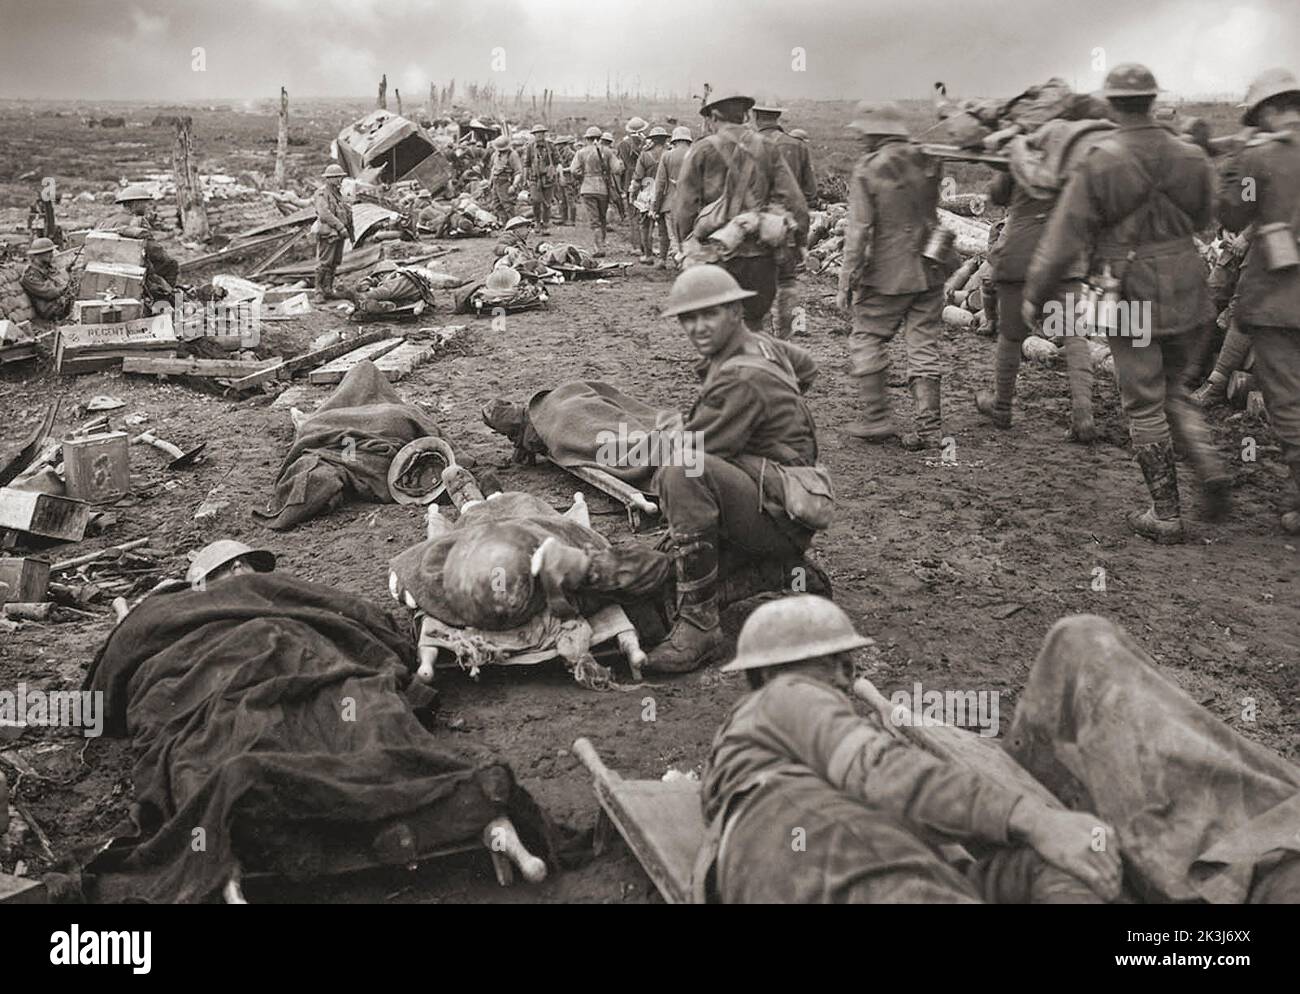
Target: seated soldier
(793, 762)
(388, 287)
(513, 240)
(755, 491)
(132, 220)
(46, 282)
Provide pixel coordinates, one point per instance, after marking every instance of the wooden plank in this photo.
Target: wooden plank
(20, 890)
(277, 255)
(306, 361)
(336, 369)
(27, 580)
(146, 365)
(294, 396)
(43, 514)
(398, 363)
(234, 250)
(304, 215)
(954, 153)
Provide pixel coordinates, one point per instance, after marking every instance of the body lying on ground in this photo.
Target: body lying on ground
(390, 286)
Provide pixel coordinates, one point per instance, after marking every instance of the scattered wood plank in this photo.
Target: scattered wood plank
(400, 361)
(334, 370)
(86, 347)
(90, 557)
(304, 215)
(308, 360)
(277, 255)
(19, 890)
(43, 514)
(233, 251)
(232, 368)
(353, 261)
(295, 395)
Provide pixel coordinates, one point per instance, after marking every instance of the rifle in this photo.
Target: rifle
(614, 193)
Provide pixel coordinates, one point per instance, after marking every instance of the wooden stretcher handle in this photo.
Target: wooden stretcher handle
(585, 751)
(500, 837)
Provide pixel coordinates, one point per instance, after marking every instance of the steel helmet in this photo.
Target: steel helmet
(703, 286)
(592, 132)
(723, 96)
(768, 109)
(799, 133)
(334, 171)
(1268, 84)
(500, 141)
(635, 126)
(681, 133)
(384, 266)
(415, 474)
(658, 132)
(1130, 79)
(40, 246)
(606, 136)
(539, 129)
(801, 626)
(217, 554)
(516, 221)
(879, 119)
(504, 278)
(132, 193)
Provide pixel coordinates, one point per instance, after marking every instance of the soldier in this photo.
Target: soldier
(1135, 200)
(134, 221)
(643, 175)
(47, 284)
(1026, 219)
(596, 168)
(799, 159)
(542, 171)
(755, 448)
(628, 149)
(1260, 186)
(886, 279)
(514, 238)
(873, 808)
(334, 224)
(390, 286)
(735, 161)
(566, 191)
(505, 173)
(670, 166)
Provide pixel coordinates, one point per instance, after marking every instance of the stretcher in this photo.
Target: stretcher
(572, 273)
(638, 505)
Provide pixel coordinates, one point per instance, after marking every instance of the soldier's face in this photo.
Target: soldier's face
(711, 329)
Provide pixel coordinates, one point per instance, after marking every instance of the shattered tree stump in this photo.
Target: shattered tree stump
(189, 190)
(282, 139)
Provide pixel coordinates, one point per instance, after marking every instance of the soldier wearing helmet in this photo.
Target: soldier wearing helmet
(760, 186)
(596, 169)
(46, 282)
(799, 158)
(738, 504)
(505, 176)
(628, 150)
(390, 286)
(670, 167)
(1267, 305)
(333, 226)
(642, 195)
(542, 170)
(871, 809)
(1135, 202)
(566, 188)
(134, 220)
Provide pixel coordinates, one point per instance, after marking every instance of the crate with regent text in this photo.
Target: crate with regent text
(84, 348)
(97, 467)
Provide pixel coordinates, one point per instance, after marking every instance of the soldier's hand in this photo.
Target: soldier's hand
(844, 299)
(1029, 313)
(1081, 844)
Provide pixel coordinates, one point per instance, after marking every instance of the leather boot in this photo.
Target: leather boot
(1192, 437)
(600, 243)
(877, 424)
(996, 405)
(695, 637)
(929, 418)
(1078, 368)
(1161, 521)
(323, 279)
(1213, 391)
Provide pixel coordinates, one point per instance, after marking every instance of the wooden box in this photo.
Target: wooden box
(28, 580)
(43, 514)
(88, 347)
(97, 467)
(107, 311)
(109, 246)
(117, 278)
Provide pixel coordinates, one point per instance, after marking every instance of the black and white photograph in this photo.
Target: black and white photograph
(548, 452)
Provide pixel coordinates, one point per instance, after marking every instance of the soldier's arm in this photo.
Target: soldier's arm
(41, 287)
(1001, 188)
(575, 167)
(859, 756)
(686, 207)
(726, 416)
(801, 361)
(1238, 203)
(1071, 230)
(661, 183)
(1204, 215)
(807, 178)
(857, 237)
(328, 218)
(787, 192)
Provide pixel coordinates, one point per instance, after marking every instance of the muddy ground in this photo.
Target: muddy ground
(957, 570)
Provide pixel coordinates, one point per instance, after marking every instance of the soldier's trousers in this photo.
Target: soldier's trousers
(502, 202)
(1235, 352)
(597, 210)
(878, 317)
(1155, 399)
(717, 496)
(1277, 365)
(787, 286)
(540, 196)
(649, 223)
(756, 273)
(329, 253)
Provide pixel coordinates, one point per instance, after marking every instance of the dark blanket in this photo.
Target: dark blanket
(344, 449)
(267, 713)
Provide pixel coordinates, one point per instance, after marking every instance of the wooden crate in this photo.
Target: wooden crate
(85, 347)
(109, 246)
(97, 467)
(107, 311)
(28, 580)
(115, 278)
(43, 514)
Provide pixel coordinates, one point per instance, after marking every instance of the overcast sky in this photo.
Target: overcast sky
(144, 49)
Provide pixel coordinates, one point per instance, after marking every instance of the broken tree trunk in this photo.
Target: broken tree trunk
(397, 95)
(382, 102)
(189, 191)
(430, 109)
(282, 139)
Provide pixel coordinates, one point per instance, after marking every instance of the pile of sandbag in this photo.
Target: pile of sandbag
(15, 305)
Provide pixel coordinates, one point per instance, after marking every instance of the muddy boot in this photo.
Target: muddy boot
(1192, 437)
(599, 251)
(771, 576)
(1212, 392)
(929, 418)
(1291, 515)
(1161, 521)
(996, 404)
(783, 312)
(1078, 363)
(877, 424)
(324, 285)
(695, 637)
